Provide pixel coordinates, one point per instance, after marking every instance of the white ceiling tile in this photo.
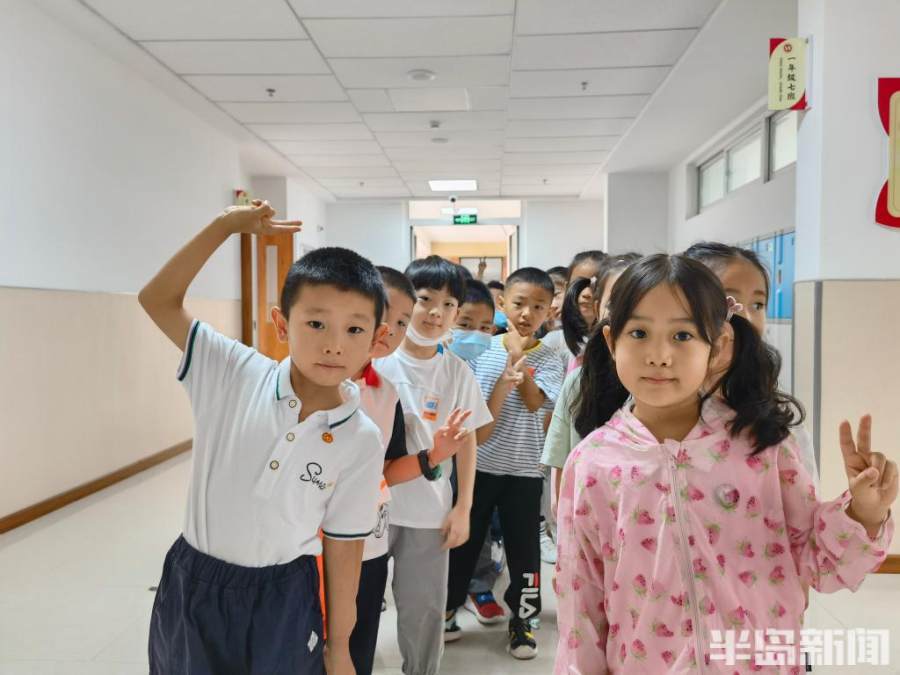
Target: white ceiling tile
(365, 193)
(311, 132)
(450, 121)
(451, 71)
(327, 147)
(402, 37)
(443, 173)
(423, 100)
(576, 107)
(201, 19)
(595, 157)
(574, 143)
(550, 169)
(338, 183)
(423, 139)
(601, 50)
(532, 128)
(528, 190)
(542, 17)
(360, 172)
(248, 57)
(600, 81)
(371, 100)
(327, 9)
(445, 152)
(543, 179)
(457, 165)
(339, 160)
(253, 87)
(488, 98)
(291, 113)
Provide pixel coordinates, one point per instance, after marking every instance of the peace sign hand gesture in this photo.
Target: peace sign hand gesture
(872, 477)
(513, 375)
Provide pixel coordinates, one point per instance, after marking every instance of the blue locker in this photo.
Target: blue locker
(784, 276)
(765, 249)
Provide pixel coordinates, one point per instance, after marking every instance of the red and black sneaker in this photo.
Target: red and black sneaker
(485, 608)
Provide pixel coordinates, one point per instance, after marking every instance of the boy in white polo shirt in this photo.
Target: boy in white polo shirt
(280, 451)
(432, 383)
(381, 402)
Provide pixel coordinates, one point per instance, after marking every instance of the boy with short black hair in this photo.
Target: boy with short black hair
(432, 382)
(280, 451)
(474, 323)
(520, 377)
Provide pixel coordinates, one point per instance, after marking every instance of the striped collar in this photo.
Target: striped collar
(284, 393)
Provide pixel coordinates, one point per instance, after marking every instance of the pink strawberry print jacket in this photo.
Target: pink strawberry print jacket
(659, 544)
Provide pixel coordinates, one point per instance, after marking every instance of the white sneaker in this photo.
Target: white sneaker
(548, 549)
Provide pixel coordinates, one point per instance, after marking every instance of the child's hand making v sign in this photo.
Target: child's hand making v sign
(450, 438)
(873, 477)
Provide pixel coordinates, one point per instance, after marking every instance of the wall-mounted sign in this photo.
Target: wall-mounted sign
(887, 208)
(465, 219)
(787, 74)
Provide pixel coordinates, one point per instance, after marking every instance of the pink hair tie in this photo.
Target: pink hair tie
(734, 307)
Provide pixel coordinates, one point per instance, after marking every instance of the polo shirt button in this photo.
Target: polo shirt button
(290, 436)
(274, 465)
(328, 438)
(293, 403)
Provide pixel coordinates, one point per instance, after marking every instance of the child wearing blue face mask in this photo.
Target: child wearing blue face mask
(474, 324)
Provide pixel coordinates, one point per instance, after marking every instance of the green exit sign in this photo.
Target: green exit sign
(465, 219)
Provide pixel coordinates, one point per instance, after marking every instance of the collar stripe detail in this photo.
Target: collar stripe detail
(340, 422)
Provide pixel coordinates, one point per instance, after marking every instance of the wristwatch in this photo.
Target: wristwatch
(427, 472)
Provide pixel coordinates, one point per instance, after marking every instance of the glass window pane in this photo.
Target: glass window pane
(784, 141)
(712, 182)
(744, 162)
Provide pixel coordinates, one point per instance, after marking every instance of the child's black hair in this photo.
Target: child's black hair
(575, 328)
(465, 272)
(437, 273)
(749, 386)
(478, 294)
(559, 272)
(534, 276)
(594, 256)
(496, 285)
(718, 256)
(339, 267)
(397, 280)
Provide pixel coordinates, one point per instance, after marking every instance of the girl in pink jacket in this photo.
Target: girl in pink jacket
(685, 513)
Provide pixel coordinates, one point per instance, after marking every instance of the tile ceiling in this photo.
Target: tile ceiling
(528, 96)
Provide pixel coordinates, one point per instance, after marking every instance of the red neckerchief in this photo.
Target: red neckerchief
(371, 376)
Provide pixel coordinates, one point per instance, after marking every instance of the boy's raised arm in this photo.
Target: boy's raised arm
(163, 296)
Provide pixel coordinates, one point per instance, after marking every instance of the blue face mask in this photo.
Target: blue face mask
(500, 320)
(469, 344)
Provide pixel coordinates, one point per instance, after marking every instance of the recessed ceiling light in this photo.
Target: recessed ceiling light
(421, 75)
(440, 139)
(459, 185)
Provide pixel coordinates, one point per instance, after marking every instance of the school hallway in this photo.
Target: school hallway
(75, 598)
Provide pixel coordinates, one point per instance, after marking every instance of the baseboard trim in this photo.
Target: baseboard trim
(35, 511)
(891, 565)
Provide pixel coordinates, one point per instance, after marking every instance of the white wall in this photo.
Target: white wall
(102, 176)
(637, 212)
(554, 231)
(377, 230)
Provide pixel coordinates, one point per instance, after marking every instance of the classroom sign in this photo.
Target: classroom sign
(787, 73)
(887, 208)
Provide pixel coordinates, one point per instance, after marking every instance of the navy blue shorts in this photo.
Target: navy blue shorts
(212, 617)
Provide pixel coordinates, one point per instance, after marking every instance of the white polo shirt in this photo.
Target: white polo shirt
(262, 483)
(429, 391)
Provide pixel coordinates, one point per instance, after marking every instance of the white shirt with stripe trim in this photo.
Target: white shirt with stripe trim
(429, 391)
(515, 446)
(262, 483)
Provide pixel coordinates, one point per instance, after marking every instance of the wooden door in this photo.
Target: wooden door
(274, 256)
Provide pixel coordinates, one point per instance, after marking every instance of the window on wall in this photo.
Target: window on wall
(712, 181)
(745, 161)
(782, 140)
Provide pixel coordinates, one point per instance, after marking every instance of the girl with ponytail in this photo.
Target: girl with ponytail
(686, 514)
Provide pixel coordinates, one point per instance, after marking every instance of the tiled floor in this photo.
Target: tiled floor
(74, 596)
